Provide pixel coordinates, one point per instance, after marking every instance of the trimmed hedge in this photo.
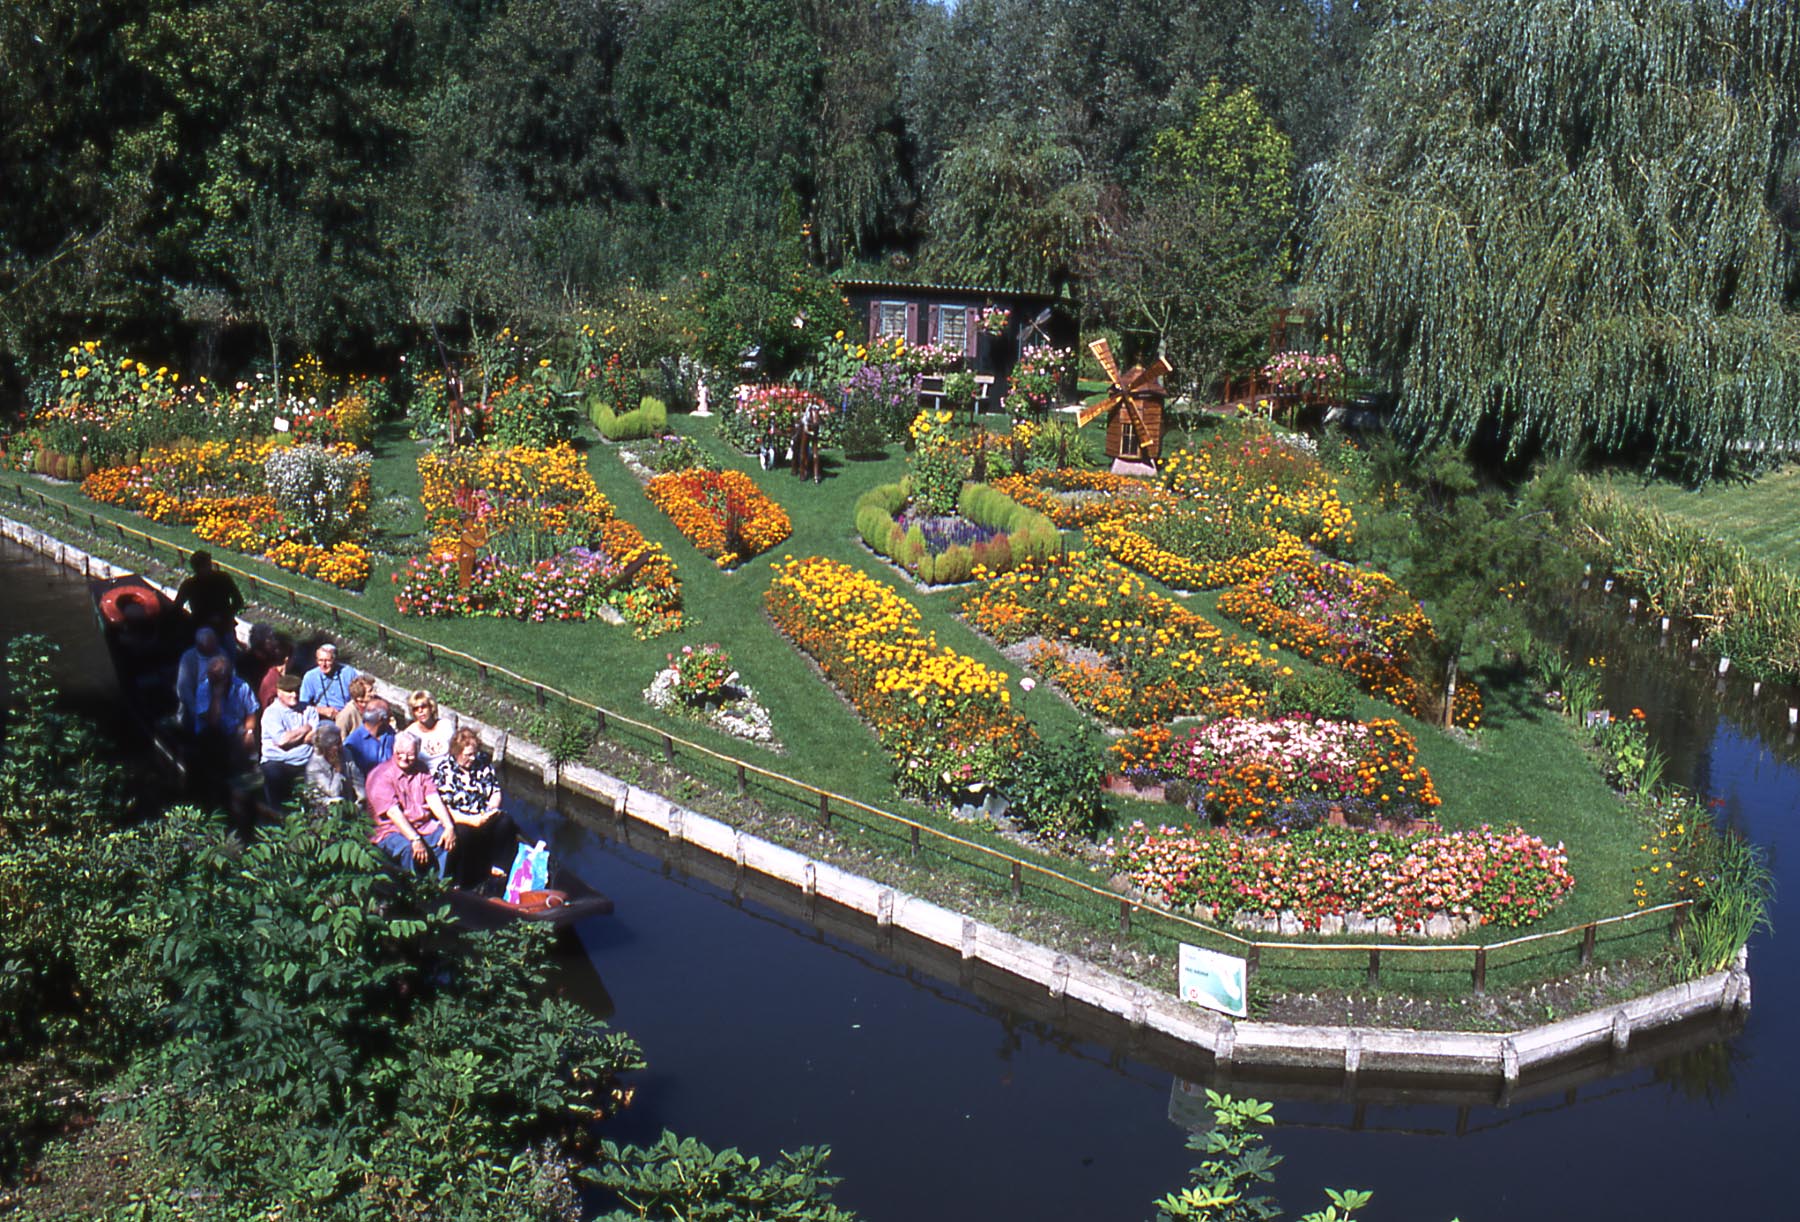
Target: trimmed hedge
(1028, 534)
(650, 419)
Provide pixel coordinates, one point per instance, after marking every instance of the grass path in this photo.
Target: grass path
(1761, 514)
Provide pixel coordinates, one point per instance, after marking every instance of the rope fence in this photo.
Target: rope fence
(1459, 965)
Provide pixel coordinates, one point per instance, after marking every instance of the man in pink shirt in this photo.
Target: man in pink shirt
(411, 824)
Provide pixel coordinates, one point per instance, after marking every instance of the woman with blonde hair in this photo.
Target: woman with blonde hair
(433, 728)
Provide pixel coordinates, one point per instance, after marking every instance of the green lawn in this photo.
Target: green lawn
(1762, 514)
(1525, 767)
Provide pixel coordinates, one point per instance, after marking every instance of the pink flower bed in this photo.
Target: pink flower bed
(1482, 877)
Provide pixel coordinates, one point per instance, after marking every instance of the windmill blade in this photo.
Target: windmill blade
(1154, 373)
(1095, 409)
(1103, 353)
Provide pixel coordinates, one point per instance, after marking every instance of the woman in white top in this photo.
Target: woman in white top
(434, 730)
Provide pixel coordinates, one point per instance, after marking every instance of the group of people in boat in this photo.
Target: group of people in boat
(318, 731)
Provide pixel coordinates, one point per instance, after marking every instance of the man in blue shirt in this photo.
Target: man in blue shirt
(326, 687)
(372, 742)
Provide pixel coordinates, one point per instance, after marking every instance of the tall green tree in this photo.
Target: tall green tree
(1014, 205)
(1557, 222)
(1190, 261)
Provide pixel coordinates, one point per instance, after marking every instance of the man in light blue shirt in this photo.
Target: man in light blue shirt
(326, 687)
(287, 734)
(191, 673)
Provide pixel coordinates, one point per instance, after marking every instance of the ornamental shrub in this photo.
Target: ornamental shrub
(1055, 787)
(650, 419)
(317, 490)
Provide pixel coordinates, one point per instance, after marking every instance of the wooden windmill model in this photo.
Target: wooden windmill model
(1133, 406)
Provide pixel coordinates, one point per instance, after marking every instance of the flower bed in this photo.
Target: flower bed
(1196, 547)
(1322, 876)
(933, 709)
(237, 495)
(990, 532)
(555, 548)
(1117, 649)
(1290, 770)
(723, 513)
(1074, 498)
(1359, 622)
(1264, 479)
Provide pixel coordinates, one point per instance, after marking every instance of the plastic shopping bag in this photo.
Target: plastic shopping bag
(530, 871)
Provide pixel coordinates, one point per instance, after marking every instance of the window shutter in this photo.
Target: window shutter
(971, 329)
(912, 323)
(874, 320)
(931, 326)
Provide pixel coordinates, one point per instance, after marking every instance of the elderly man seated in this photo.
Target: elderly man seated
(287, 734)
(326, 687)
(411, 824)
(371, 744)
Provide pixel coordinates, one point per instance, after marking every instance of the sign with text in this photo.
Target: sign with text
(1214, 980)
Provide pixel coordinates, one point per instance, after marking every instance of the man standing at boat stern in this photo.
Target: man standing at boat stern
(287, 734)
(411, 824)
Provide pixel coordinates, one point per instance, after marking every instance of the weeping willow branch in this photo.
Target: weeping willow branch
(1556, 220)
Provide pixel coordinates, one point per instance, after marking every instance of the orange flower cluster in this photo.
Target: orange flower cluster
(723, 513)
(1123, 538)
(1172, 660)
(1390, 770)
(1284, 487)
(933, 709)
(1075, 499)
(1359, 622)
(215, 487)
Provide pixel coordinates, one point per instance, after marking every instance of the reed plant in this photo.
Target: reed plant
(1736, 907)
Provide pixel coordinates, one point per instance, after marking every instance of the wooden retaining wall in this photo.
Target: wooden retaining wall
(1501, 1056)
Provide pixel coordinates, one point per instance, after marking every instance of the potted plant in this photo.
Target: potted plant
(959, 388)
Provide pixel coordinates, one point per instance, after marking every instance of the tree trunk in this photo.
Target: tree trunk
(1449, 692)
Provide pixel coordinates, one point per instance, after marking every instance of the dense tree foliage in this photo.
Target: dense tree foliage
(1560, 218)
(1564, 223)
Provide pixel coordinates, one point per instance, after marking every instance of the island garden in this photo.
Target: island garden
(1196, 687)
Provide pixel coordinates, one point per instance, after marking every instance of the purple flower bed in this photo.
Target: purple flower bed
(942, 534)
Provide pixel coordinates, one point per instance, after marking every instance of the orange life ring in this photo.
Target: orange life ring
(132, 593)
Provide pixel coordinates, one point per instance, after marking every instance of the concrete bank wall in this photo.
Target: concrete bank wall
(1500, 1056)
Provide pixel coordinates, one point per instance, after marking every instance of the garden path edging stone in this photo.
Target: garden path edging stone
(1497, 1055)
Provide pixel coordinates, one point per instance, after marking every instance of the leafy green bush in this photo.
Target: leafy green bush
(1055, 787)
(1323, 693)
(330, 1042)
(685, 1179)
(650, 419)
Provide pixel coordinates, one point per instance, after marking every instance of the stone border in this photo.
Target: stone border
(1351, 1050)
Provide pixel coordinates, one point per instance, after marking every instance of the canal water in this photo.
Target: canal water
(949, 1097)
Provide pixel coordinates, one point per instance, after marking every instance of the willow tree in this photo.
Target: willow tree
(1555, 221)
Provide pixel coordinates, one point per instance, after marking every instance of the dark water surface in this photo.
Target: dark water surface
(944, 1099)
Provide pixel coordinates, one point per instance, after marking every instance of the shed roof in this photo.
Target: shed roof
(915, 287)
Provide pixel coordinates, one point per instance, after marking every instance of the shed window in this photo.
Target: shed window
(953, 327)
(1128, 438)
(892, 320)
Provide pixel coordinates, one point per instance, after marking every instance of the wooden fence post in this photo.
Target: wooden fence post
(1587, 945)
(743, 782)
(668, 749)
(1018, 880)
(1374, 967)
(1124, 916)
(1481, 969)
(824, 808)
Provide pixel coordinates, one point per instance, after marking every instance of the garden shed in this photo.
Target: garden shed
(988, 325)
